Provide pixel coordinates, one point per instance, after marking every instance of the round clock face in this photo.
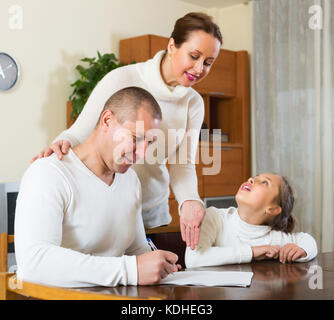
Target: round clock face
(9, 72)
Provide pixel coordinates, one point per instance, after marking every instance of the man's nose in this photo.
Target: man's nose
(251, 180)
(141, 149)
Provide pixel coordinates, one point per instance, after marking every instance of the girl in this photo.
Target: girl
(192, 49)
(260, 228)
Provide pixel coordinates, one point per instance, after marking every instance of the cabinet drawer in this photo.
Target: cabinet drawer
(230, 176)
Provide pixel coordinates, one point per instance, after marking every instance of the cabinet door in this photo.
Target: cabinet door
(140, 49)
(156, 44)
(221, 77)
(230, 177)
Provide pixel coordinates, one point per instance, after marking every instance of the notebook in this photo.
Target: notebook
(209, 278)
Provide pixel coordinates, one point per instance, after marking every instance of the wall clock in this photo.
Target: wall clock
(9, 72)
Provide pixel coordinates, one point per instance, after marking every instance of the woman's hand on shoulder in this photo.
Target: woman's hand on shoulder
(60, 148)
(192, 215)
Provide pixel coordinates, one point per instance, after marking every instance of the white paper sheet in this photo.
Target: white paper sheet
(209, 278)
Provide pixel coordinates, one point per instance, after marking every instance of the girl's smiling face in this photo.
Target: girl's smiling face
(258, 194)
(192, 61)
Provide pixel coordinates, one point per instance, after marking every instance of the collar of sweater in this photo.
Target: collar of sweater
(248, 231)
(150, 73)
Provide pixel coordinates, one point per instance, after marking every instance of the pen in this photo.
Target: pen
(151, 244)
(153, 248)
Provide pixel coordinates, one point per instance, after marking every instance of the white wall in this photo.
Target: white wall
(235, 23)
(54, 37)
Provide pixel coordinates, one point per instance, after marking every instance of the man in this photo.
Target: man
(78, 220)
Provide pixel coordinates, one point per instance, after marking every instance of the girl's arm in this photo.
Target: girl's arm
(298, 244)
(207, 253)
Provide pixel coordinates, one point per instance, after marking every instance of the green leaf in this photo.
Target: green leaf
(90, 75)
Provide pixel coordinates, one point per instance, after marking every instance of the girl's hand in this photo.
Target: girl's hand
(59, 148)
(192, 215)
(290, 253)
(265, 252)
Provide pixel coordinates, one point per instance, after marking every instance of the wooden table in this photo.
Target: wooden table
(271, 280)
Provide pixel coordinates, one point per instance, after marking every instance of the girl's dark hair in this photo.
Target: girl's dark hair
(285, 221)
(191, 22)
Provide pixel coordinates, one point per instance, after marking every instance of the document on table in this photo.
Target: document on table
(209, 278)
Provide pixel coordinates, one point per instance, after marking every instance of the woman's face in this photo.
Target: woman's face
(192, 61)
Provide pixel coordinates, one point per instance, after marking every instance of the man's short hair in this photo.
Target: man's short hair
(125, 103)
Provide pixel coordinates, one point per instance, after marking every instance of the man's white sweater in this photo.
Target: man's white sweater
(226, 239)
(182, 111)
(73, 230)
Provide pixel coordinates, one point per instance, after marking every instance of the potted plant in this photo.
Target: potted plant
(90, 75)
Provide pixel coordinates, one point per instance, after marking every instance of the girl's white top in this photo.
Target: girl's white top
(226, 239)
(182, 116)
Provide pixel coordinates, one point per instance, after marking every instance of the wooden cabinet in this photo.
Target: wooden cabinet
(227, 180)
(225, 92)
(222, 76)
(141, 48)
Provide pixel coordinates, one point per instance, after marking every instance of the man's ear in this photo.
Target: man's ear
(274, 210)
(107, 118)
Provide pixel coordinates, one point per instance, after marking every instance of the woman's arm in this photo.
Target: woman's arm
(183, 176)
(87, 120)
(182, 170)
(89, 116)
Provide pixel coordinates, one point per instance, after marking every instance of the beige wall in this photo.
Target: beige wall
(54, 37)
(235, 23)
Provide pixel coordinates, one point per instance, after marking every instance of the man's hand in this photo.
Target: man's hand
(156, 265)
(192, 215)
(265, 252)
(290, 253)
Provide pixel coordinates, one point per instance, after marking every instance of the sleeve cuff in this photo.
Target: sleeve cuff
(309, 256)
(131, 270)
(246, 254)
(196, 199)
(64, 136)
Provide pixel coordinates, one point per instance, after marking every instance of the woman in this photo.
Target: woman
(193, 47)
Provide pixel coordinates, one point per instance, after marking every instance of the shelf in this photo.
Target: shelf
(211, 144)
(217, 94)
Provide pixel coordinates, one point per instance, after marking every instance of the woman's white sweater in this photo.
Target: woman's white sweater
(182, 111)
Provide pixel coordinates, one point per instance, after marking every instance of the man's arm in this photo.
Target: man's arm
(139, 244)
